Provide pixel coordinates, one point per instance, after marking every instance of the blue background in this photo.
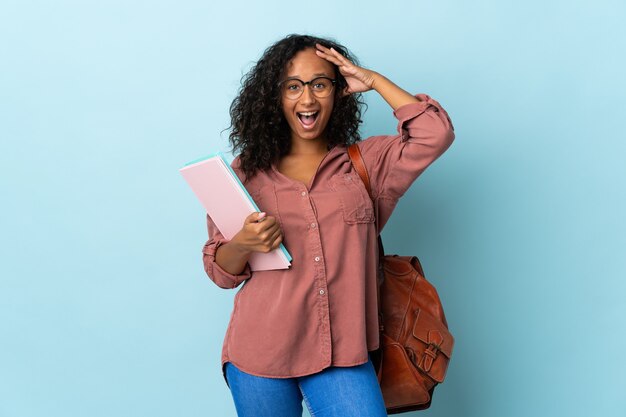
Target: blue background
(105, 309)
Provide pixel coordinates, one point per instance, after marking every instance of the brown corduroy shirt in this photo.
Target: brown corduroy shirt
(323, 311)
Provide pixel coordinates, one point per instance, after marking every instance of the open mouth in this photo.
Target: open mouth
(308, 118)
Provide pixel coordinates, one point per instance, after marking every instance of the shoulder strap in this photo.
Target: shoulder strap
(359, 165)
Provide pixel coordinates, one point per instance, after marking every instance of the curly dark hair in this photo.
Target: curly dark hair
(259, 131)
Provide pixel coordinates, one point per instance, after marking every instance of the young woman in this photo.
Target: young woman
(306, 332)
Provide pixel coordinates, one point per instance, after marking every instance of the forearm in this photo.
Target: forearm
(232, 258)
(395, 96)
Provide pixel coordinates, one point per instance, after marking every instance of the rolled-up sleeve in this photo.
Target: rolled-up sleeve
(425, 131)
(220, 277)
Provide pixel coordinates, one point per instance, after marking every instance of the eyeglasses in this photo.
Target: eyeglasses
(293, 88)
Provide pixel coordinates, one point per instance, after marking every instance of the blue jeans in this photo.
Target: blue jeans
(335, 391)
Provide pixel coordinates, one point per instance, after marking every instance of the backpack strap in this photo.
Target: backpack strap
(359, 165)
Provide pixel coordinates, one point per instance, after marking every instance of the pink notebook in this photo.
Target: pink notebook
(228, 203)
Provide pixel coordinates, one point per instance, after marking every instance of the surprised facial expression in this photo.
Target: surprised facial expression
(308, 114)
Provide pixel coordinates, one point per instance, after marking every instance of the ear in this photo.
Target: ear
(346, 91)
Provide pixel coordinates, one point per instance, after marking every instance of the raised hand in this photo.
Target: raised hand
(359, 79)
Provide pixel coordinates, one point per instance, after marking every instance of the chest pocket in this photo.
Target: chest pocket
(356, 204)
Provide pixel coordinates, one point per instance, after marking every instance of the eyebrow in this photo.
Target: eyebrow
(319, 74)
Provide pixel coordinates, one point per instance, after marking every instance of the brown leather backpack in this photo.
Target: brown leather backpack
(415, 344)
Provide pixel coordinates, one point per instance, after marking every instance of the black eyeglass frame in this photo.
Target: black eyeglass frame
(305, 83)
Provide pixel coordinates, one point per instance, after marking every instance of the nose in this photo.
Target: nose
(307, 95)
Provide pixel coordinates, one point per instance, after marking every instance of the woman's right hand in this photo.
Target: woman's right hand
(260, 233)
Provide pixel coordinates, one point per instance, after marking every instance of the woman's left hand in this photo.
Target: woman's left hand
(359, 79)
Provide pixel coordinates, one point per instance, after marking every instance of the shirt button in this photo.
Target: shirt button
(312, 225)
(317, 259)
(322, 292)
(303, 193)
